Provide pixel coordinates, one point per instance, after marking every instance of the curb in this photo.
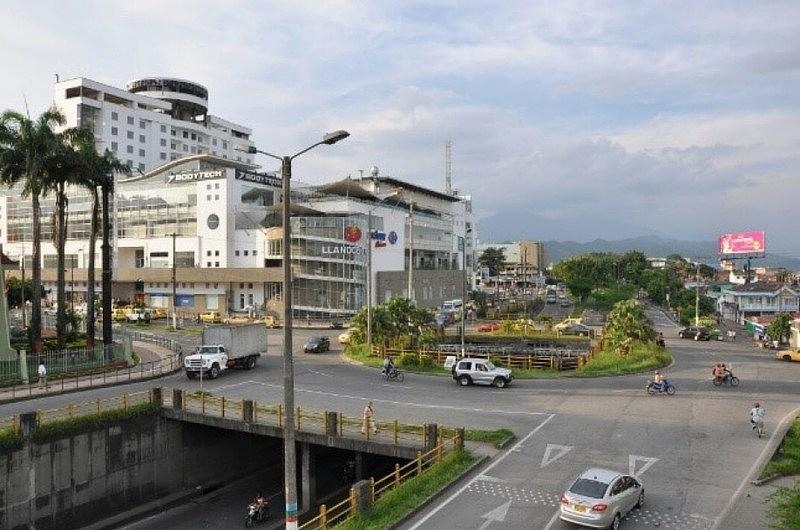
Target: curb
(424, 504)
(508, 441)
(783, 429)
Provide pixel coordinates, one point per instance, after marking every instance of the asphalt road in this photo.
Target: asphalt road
(692, 450)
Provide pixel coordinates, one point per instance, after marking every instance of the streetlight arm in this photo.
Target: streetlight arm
(276, 157)
(307, 149)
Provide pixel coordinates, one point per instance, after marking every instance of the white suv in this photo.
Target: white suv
(470, 370)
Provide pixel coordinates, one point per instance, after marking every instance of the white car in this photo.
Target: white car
(469, 371)
(600, 498)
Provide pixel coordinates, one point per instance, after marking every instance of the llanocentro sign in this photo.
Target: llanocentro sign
(340, 250)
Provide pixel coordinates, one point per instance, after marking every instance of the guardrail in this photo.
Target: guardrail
(347, 508)
(164, 342)
(392, 431)
(559, 362)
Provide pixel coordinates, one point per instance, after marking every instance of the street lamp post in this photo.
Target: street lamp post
(289, 449)
(411, 251)
(72, 280)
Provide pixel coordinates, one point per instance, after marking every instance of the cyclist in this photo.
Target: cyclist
(757, 415)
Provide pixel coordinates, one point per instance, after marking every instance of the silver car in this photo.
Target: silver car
(600, 498)
(469, 371)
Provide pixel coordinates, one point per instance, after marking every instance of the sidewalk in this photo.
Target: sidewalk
(751, 508)
(155, 361)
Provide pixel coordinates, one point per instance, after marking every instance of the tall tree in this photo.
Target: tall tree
(493, 258)
(27, 148)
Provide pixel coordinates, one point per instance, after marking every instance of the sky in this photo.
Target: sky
(569, 120)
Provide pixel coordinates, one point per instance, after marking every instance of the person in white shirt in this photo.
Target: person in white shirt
(757, 415)
(42, 375)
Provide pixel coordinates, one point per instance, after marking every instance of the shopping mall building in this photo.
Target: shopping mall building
(218, 221)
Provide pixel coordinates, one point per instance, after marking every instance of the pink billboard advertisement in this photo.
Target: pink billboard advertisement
(749, 242)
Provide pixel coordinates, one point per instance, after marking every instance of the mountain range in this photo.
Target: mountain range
(655, 246)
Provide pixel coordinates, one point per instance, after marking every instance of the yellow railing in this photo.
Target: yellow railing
(73, 410)
(344, 510)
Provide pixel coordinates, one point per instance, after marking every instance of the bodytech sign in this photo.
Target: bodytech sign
(196, 175)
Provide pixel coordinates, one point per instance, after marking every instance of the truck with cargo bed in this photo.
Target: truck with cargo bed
(225, 347)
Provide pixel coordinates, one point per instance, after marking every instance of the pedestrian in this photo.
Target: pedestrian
(42, 375)
(369, 420)
(733, 335)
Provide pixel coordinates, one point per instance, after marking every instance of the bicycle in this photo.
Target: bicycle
(393, 375)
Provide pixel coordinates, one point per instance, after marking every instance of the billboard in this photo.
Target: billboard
(749, 242)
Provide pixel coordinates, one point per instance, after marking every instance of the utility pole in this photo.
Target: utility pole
(463, 290)
(697, 295)
(289, 449)
(369, 282)
(174, 287)
(411, 251)
(22, 266)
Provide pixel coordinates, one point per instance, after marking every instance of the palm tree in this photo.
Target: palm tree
(27, 148)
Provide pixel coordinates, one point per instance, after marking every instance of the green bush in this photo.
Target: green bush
(408, 360)
(68, 427)
(10, 440)
(426, 361)
(642, 357)
(788, 462)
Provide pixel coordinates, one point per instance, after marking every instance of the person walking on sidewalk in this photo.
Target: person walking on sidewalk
(42, 375)
(369, 420)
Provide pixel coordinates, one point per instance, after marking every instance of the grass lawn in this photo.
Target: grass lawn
(787, 461)
(404, 499)
(784, 509)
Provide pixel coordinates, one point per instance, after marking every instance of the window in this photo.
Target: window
(194, 136)
(114, 146)
(129, 149)
(241, 301)
(173, 145)
(173, 156)
(216, 285)
(141, 138)
(129, 163)
(183, 286)
(249, 285)
(163, 156)
(224, 144)
(216, 186)
(130, 120)
(163, 128)
(173, 132)
(246, 252)
(194, 149)
(208, 197)
(208, 264)
(236, 253)
(114, 131)
(250, 299)
(163, 142)
(216, 197)
(141, 124)
(186, 134)
(141, 152)
(185, 148)
(208, 253)
(130, 135)
(208, 186)
(216, 252)
(213, 141)
(115, 116)
(241, 286)
(141, 166)
(255, 253)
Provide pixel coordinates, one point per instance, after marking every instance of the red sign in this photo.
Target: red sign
(750, 242)
(352, 234)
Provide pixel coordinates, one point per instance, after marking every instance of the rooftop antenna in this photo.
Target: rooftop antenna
(448, 167)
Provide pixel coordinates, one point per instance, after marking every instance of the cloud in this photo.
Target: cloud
(594, 117)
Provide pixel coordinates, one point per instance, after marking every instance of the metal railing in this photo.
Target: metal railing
(164, 342)
(392, 431)
(347, 508)
(61, 362)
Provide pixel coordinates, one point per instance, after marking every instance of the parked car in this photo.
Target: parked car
(272, 321)
(577, 329)
(788, 355)
(158, 312)
(211, 317)
(567, 323)
(695, 333)
(470, 371)
(138, 314)
(118, 315)
(600, 498)
(489, 327)
(337, 324)
(344, 338)
(317, 345)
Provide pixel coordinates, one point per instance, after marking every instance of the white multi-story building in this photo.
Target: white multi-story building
(151, 121)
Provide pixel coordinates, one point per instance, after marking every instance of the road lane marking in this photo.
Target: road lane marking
(634, 459)
(560, 450)
(487, 478)
(498, 515)
(489, 468)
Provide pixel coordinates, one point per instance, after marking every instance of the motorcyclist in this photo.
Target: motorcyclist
(660, 339)
(719, 371)
(658, 381)
(261, 504)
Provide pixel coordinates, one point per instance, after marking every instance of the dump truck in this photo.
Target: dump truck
(225, 347)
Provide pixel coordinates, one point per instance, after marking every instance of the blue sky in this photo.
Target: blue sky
(569, 119)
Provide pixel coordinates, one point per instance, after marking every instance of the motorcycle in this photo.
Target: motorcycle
(256, 515)
(729, 379)
(664, 388)
(660, 342)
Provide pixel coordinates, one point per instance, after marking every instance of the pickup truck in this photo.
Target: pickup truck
(225, 347)
(138, 314)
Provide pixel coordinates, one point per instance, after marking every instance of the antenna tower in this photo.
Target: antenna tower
(448, 167)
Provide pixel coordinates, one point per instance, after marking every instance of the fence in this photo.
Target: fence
(62, 363)
(392, 431)
(562, 360)
(347, 508)
(74, 410)
(164, 342)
